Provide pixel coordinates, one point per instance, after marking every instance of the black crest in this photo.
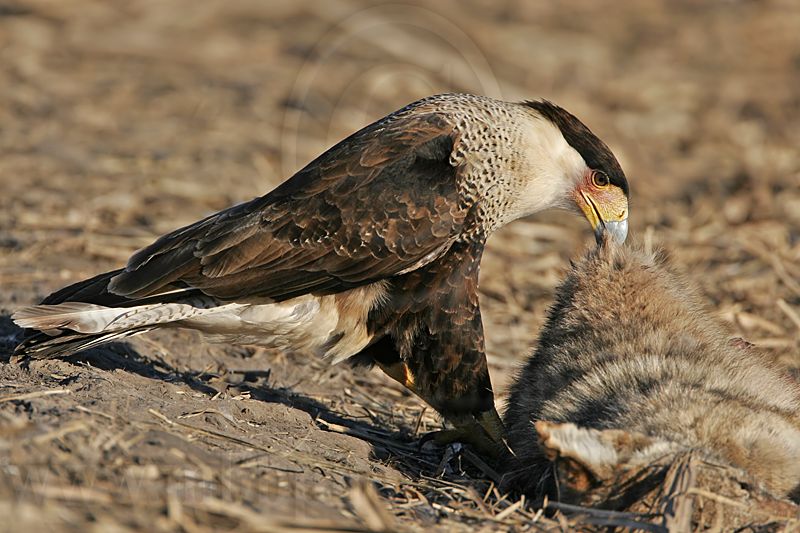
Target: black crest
(594, 151)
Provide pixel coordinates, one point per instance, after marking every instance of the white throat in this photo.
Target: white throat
(548, 169)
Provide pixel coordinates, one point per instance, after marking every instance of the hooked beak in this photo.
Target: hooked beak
(617, 229)
(607, 212)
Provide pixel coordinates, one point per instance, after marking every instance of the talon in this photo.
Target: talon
(472, 434)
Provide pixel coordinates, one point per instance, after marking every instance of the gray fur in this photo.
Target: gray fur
(630, 350)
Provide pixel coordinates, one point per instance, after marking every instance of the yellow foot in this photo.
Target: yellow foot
(483, 434)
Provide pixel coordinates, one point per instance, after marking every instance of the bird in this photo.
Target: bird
(632, 370)
(369, 254)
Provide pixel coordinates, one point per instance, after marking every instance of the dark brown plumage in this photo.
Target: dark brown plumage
(369, 253)
(630, 371)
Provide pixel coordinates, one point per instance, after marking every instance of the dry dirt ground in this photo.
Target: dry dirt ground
(122, 120)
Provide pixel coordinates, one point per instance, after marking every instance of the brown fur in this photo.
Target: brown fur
(631, 369)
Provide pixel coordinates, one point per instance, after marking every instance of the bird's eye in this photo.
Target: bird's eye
(600, 179)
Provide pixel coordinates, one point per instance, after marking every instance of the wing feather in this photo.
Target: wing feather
(377, 204)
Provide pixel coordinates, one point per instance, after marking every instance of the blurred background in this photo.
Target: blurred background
(121, 120)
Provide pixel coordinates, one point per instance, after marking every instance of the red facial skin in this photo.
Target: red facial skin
(600, 200)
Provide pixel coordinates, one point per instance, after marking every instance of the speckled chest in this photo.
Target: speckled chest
(487, 138)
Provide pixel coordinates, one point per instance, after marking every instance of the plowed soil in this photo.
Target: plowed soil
(122, 120)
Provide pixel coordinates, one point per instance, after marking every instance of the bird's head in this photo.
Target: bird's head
(589, 178)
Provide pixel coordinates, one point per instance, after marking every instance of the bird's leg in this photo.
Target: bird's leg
(399, 372)
(491, 422)
(484, 430)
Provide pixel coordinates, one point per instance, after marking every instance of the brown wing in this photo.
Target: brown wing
(378, 203)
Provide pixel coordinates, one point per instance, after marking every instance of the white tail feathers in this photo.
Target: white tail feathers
(93, 319)
(76, 316)
(333, 326)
